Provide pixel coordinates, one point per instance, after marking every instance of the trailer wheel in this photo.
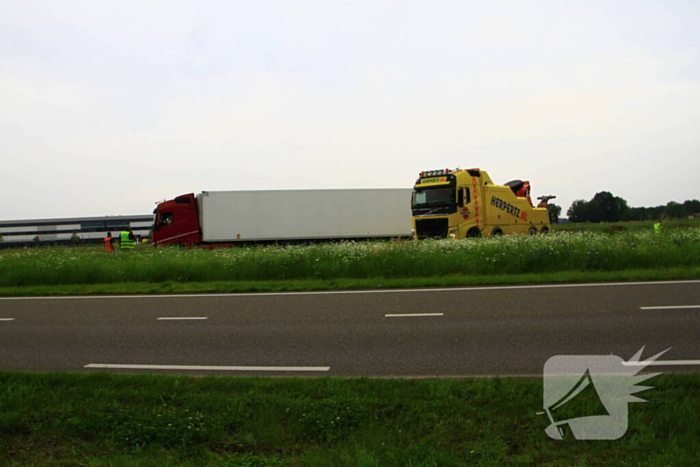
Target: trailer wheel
(532, 231)
(474, 232)
(545, 230)
(497, 232)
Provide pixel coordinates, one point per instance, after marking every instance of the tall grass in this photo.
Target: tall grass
(578, 251)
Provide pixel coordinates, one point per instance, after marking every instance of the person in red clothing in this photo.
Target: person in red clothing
(108, 243)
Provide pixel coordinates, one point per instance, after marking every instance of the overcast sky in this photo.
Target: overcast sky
(108, 107)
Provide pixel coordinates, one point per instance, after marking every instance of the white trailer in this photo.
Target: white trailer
(283, 215)
(304, 214)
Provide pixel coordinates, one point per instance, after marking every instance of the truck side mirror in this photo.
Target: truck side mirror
(460, 197)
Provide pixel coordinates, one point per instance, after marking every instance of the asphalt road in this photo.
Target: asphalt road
(462, 332)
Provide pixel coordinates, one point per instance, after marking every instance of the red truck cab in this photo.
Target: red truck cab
(177, 221)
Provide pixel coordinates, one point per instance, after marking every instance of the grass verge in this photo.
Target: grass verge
(104, 419)
(515, 254)
(456, 280)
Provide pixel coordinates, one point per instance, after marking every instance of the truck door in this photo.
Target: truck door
(464, 199)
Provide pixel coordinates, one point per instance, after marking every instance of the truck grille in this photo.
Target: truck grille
(431, 228)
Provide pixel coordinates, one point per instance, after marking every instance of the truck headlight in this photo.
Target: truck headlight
(453, 233)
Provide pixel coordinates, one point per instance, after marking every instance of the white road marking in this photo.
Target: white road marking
(677, 307)
(181, 318)
(7, 319)
(205, 367)
(663, 363)
(356, 292)
(408, 315)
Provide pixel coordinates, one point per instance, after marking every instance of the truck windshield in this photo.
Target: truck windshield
(439, 200)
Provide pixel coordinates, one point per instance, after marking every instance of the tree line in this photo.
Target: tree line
(605, 207)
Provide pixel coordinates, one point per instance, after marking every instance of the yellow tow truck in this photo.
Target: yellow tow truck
(466, 203)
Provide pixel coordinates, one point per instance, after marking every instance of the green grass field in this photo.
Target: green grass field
(560, 257)
(101, 420)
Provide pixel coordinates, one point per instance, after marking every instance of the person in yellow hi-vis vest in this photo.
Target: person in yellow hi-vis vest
(127, 240)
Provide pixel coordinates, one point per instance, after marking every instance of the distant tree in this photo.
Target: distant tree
(622, 208)
(674, 210)
(74, 239)
(578, 211)
(554, 212)
(1, 238)
(36, 240)
(691, 207)
(638, 214)
(604, 208)
(594, 212)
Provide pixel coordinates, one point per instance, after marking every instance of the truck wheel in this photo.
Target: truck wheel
(545, 230)
(497, 232)
(532, 231)
(474, 232)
